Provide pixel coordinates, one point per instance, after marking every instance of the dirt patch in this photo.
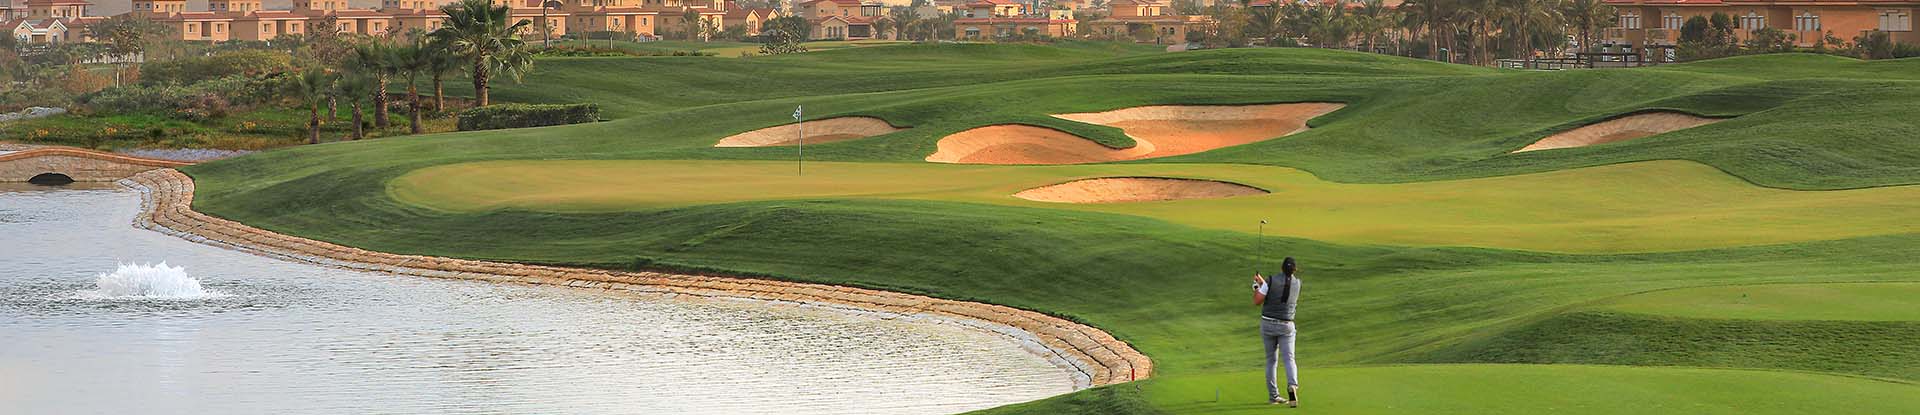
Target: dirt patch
(1620, 129)
(1136, 189)
(818, 132)
(1157, 131)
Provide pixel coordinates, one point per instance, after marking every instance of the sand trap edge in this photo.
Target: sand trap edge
(827, 129)
(1625, 127)
(1096, 190)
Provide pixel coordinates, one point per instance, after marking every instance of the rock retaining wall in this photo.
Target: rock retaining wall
(81, 165)
(1096, 357)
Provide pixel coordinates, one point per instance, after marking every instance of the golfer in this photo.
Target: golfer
(1277, 301)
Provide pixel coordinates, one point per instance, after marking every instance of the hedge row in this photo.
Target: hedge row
(494, 117)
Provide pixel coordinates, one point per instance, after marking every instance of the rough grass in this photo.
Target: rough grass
(1167, 282)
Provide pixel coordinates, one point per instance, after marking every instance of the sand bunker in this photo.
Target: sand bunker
(818, 131)
(1136, 189)
(1620, 129)
(1158, 131)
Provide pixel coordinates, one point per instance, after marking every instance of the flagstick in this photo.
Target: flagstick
(800, 164)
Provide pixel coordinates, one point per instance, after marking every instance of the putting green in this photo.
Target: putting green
(1635, 207)
(1849, 301)
(1541, 389)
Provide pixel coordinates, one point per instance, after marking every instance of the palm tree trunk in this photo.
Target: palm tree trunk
(479, 80)
(439, 94)
(358, 128)
(413, 107)
(333, 108)
(380, 101)
(313, 123)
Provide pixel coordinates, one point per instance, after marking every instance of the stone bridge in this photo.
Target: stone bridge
(57, 165)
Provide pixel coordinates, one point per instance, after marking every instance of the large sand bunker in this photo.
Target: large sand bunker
(1136, 189)
(1158, 131)
(818, 131)
(1620, 129)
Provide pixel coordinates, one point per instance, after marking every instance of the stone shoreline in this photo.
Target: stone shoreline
(1094, 357)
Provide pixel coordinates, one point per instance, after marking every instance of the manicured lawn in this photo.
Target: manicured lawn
(1650, 206)
(1557, 389)
(1422, 239)
(1846, 302)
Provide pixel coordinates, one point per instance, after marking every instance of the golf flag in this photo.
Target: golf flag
(796, 112)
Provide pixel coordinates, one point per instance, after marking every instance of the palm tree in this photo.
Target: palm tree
(481, 33)
(313, 88)
(1372, 18)
(356, 87)
(376, 59)
(1424, 15)
(1265, 22)
(1531, 14)
(1586, 15)
(440, 61)
(409, 61)
(901, 19)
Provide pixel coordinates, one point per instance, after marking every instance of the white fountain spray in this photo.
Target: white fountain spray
(139, 281)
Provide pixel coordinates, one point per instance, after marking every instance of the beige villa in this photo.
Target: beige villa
(1148, 20)
(986, 19)
(55, 21)
(1654, 25)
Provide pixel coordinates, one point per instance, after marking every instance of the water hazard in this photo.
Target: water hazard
(93, 323)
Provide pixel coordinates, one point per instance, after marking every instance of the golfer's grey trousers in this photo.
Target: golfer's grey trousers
(1278, 336)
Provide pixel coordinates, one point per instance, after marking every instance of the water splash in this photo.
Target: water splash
(141, 281)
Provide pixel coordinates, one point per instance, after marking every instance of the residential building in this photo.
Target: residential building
(1653, 26)
(842, 19)
(223, 20)
(1148, 20)
(985, 19)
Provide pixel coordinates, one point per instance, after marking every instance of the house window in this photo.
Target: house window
(1753, 21)
(1671, 21)
(1630, 21)
(1806, 22)
(219, 27)
(1896, 21)
(266, 27)
(193, 28)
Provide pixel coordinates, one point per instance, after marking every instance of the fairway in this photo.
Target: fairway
(1757, 264)
(1638, 207)
(1848, 302)
(1557, 389)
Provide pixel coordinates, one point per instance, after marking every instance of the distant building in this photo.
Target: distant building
(1148, 21)
(53, 21)
(986, 19)
(842, 19)
(1652, 27)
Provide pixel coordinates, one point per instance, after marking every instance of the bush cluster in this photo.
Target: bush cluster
(189, 70)
(493, 117)
(199, 101)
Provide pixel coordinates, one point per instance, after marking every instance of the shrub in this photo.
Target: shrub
(251, 63)
(198, 102)
(493, 117)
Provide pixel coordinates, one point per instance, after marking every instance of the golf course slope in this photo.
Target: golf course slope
(1443, 273)
(1625, 128)
(1135, 189)
(816, 132)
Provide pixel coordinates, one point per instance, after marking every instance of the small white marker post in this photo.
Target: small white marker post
(800, 163)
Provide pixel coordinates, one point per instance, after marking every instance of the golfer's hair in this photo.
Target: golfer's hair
(1287, 267)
